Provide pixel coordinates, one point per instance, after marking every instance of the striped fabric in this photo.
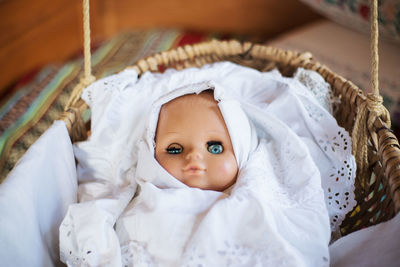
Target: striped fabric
(26, 114)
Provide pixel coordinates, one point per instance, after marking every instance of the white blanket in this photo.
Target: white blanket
(297, 175)
(34, 200)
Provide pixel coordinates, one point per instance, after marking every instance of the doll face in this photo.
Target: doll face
(193, 143)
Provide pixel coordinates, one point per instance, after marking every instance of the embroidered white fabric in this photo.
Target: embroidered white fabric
(338, 179)
(318, 87)
(301, 172)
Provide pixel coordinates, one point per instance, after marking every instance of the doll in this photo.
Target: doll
(193, 143)
(210, 167)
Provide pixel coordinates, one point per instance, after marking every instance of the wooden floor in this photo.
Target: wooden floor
(35, 33)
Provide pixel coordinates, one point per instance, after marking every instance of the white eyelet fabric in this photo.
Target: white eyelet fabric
(294, 187)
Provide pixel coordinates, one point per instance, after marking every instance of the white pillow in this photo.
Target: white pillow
(34, 199)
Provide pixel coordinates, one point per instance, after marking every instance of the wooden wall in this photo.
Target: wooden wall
(37, 32)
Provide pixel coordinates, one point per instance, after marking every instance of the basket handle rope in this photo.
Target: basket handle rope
(72, 111)
(371, 109)
(87, 78)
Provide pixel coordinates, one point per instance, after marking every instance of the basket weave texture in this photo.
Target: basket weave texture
(377, 190)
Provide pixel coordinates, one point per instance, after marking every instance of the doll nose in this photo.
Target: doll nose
(194, 154)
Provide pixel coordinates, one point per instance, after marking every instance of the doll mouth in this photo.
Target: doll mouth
(193, 169)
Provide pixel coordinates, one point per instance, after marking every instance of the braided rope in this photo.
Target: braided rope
(372, 108)
(374, 46)
(87, 78)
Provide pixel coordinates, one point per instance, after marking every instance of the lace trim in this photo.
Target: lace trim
(339, 185)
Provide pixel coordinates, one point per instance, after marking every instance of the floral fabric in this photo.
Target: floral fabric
(355, 14)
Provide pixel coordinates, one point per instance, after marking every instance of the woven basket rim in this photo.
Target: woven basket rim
(382, 138)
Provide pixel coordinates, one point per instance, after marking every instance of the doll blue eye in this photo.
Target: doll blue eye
(215, 147)
(174, 149)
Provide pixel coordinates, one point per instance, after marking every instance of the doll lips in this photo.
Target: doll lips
(193, 169)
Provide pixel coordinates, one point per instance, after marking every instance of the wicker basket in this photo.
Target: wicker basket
(377, 190)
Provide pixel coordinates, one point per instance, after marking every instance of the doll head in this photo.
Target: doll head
(193, 143)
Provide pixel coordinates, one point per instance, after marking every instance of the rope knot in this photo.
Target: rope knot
(87, 80)
(367, 113)
(374, 102)
(377, 109)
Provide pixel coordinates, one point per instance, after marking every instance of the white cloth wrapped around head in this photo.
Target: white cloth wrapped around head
(242, 133)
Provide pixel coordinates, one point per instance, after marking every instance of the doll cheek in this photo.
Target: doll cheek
(228, 168)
